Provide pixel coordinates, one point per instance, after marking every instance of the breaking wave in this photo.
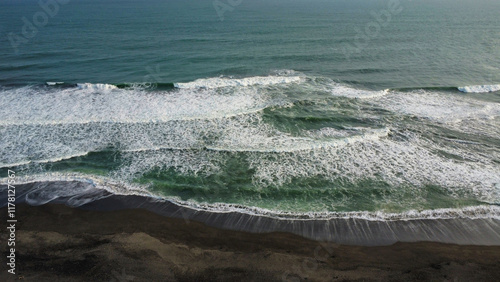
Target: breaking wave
(86, 188)
(95, 87)
(219, 82)
(300, 130)
(480, 88)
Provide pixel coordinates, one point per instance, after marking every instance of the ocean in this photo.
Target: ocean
(382, 110)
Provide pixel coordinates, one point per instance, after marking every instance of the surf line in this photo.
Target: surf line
(11, 222)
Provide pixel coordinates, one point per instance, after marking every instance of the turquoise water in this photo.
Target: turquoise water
(288, 106)
(428, 43)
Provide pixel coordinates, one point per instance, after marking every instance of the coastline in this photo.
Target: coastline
(59, 243)
(478, 227)
(260, 141)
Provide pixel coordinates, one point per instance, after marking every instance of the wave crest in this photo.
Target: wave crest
(57, 186)
(95, 87)
(219, 82)
(480, 88)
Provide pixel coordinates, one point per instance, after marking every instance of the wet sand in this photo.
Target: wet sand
(58, 243)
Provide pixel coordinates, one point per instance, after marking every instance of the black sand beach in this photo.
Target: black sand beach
(58, 243)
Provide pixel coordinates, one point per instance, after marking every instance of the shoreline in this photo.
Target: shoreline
(346, 231)
(56, 242)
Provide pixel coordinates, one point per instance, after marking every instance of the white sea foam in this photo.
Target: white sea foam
(79, 194)
(53, 124)
(257, 142)
(349, 92)
(475, 212)
(96, 86)
(442, 107)
(410, 163)
(41, 125)
(287, 144)
(480, 88)
(30, 105)
(248, 134)
(218, 82)
(50, 83)
(278, 158)
(437, 106)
